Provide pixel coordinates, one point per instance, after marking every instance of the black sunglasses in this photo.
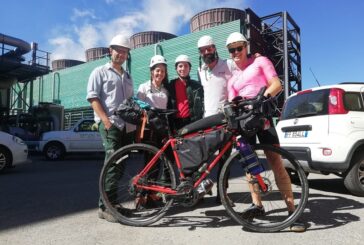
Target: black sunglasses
(239, 49)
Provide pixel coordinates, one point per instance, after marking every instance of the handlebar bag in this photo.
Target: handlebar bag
(251, 125)
(131, 110)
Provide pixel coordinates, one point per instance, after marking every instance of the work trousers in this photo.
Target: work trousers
(112, 139)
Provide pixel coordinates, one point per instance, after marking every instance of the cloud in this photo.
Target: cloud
(66, 45)
(88, 36)
(151, 15)
(82, 14)
(164, 15)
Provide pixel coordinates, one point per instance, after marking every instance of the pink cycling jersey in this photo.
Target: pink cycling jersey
(248, 82)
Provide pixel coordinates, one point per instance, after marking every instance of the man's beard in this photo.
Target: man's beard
(209, 58)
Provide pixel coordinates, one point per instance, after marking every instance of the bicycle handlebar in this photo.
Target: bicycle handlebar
(244, 116)
(250, 105)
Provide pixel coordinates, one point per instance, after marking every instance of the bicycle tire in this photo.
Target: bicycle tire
(122, 198)
(237, 197)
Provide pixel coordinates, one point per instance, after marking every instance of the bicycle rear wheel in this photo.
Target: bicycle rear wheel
(128, 204)
(236, 198)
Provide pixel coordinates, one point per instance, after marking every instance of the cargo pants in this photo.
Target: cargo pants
(112, 139)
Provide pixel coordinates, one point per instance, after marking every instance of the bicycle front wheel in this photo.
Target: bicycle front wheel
(129, 204)
(283, 201)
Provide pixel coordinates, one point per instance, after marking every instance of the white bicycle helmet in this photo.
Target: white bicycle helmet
(182, 58)
(205, 41)
(120, 40)
(235, 37)
(157, 59)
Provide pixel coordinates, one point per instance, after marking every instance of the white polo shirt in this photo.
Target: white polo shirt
(214, 84)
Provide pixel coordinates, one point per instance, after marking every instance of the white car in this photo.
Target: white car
(13, 151)
(82, 137)
(324, 128)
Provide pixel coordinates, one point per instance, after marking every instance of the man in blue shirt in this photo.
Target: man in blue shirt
(107, 87)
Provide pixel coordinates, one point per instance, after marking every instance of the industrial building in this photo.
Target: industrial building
(63, 88)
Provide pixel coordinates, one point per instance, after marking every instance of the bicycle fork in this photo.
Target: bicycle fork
(262, 185)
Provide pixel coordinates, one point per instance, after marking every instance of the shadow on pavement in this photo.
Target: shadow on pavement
(330, 210)
(323, 211)
(43, 190)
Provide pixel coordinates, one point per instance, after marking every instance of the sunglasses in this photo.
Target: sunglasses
(239, 49)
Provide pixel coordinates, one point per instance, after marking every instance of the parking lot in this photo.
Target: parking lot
(45, 202)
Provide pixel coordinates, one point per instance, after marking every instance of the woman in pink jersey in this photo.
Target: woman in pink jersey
(249, 75)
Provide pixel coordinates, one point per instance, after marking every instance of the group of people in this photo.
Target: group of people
(220, 80)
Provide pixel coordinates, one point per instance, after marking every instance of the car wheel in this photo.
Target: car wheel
(354, 178)
(294, 175)
(54, 151)
(5, 158)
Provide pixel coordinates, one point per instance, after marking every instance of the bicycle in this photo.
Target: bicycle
(144, 186)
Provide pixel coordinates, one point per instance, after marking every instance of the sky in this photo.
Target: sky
(332, 36)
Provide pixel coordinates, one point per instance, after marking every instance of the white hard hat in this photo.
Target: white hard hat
(235, 37)
(205, 41)
(120, 40)
(157, 59)
(182, 58)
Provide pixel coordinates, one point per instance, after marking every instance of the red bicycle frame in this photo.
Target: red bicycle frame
(172, 142)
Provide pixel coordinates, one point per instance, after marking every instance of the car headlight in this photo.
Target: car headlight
(18, 140)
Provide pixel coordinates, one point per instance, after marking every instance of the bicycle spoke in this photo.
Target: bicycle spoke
(276, 200)
(128, 203)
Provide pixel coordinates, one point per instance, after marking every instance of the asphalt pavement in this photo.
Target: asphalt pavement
(43, 202)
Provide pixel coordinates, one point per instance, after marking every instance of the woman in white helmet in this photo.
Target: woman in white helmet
(155, 94)
(237, 47)
(249, 76)
(153, 91)
(185, 94)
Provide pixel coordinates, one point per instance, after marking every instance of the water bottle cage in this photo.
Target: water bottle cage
(244, 160)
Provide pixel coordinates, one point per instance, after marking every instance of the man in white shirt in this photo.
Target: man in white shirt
(214, 74)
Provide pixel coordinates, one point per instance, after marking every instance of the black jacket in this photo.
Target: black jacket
(195, 97)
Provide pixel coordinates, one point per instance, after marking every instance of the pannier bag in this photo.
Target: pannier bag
(195, 151)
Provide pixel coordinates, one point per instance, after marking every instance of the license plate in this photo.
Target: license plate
(296, 134)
